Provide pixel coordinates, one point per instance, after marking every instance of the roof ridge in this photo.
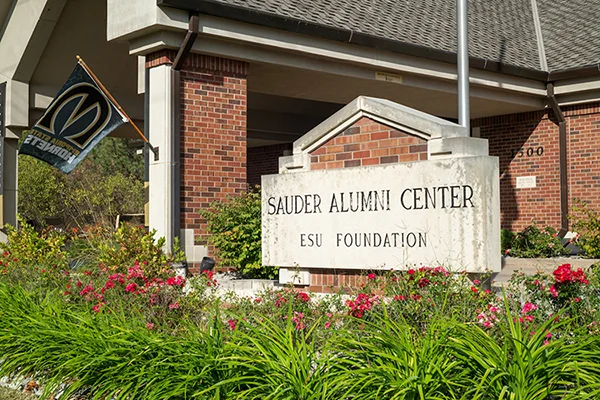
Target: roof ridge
(539, 35)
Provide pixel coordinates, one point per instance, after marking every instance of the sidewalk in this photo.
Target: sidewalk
(532, 265)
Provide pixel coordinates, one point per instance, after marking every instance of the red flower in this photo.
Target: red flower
(232, 324)
(97, 307)
(303, 297)
(423, 282)
(131, 288)
(371, 276)
(411, 271)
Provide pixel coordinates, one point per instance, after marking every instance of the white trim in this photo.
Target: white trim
(539, 35)
(248, 42)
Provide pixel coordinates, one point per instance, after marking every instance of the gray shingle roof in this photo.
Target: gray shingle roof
(501, 31)
(571, 32)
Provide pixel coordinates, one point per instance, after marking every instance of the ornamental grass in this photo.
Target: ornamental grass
(128, 328)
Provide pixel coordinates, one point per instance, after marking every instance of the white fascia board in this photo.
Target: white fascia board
(254, 53)
(577, 85)
(383, 60)
(578, 98)
(321, 49)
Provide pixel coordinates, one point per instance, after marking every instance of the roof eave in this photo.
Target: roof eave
(275, 21)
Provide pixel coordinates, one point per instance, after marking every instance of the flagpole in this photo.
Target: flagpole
(107, 93)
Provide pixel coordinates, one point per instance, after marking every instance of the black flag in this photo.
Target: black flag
(77, 119)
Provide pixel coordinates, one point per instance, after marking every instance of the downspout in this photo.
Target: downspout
(178, 63)
(562, 149)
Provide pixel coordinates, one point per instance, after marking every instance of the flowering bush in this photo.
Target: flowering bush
(420, 333)
(533, 242)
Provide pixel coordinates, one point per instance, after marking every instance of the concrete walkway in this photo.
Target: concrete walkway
(532, 265)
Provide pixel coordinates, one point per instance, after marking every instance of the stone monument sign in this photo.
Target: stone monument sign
(342, 200)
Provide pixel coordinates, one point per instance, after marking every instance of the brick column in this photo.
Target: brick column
(212, 138)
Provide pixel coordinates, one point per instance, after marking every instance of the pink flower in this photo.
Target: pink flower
(577, 299)
(493, 309)
(131, 288)
(232, 324)
(488, 324)
(149, 325)
(174, 306)
(553, 291)
(476, 281)
(178, 280)
(371, 276)
(97, 307)
(528, 307)
(86, 290)
(327, 325)
(529, 318)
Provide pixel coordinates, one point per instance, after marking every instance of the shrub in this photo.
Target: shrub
(533, 242)
(586, 222)
(35, 260)
(130, 245)
(234, 228)
(40, 190)
(506, 239)
(107, 183)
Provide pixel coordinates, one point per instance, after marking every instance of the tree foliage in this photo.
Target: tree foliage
(107, 183)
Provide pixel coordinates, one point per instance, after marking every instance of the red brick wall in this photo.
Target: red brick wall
(583, 155)
(368, 142)
(534, 130)
(264, 160)
(213, 135)
(213, 132)
(327, 280)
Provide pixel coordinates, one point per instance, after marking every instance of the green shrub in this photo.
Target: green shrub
(506, 239)
(40, 190)
(586, 222)
(533, 242)
(130, 245)
(234, 228)
(107, 183)
(35, 260)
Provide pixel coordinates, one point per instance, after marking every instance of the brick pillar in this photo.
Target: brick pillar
(212, 138)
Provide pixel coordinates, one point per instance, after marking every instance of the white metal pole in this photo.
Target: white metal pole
(463, 63)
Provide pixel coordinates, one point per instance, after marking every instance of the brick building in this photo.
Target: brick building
(224, 87)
